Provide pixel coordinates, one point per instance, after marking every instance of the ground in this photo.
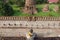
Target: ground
(17, 11)
(40, 13)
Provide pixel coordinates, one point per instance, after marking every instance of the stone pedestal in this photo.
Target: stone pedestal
(56, 8)
(30, 7)
(46, 8)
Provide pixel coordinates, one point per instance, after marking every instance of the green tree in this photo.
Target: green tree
(1, 7)
(8, 11)
(17, 2)
(41, 1)
(12, 1)
(20, 2)
(5, 9)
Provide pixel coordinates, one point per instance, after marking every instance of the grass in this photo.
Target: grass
(17, 11)
(50, 13)
(40, 13)
(20, 14)
(47, 14)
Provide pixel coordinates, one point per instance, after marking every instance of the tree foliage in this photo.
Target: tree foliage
(5, 9)
(1, 6)
(18, 2)
(8, 11)
(41, 1)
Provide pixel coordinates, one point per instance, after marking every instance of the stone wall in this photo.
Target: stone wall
(30, 18)
(29, 24)
(22, 32)
(15, 27)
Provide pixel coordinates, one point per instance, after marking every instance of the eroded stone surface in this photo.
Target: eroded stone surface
(22, 32)
(42, 28)
(46, 8)
(56, 8)
(30, 7)
(29, 24)
(53, 1)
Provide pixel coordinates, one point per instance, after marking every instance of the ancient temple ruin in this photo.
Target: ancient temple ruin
(53, 1)
(30, 7)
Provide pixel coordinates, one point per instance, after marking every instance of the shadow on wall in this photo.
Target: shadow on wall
(24, 38)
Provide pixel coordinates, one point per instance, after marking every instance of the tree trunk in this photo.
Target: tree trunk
(30, 7)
